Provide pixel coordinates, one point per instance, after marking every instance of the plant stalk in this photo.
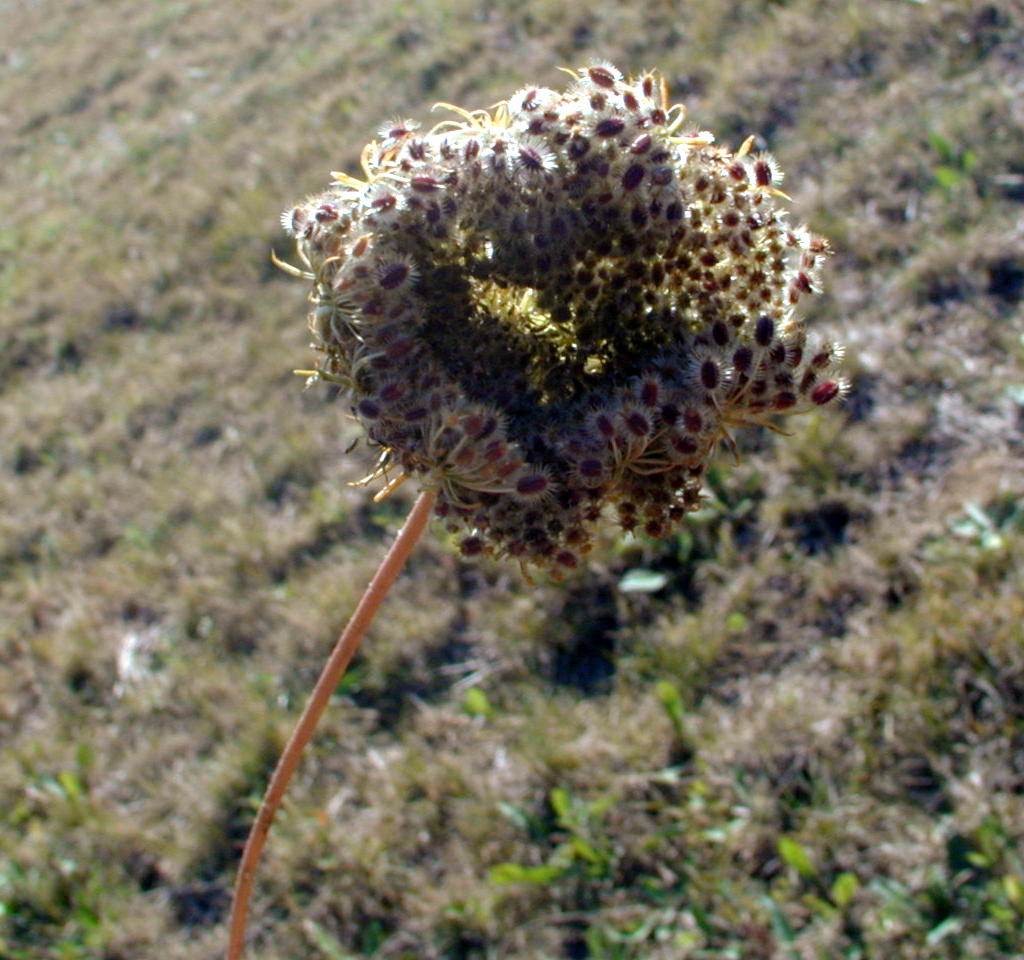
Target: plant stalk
(332, 672)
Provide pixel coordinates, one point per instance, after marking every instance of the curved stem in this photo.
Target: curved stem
(333, 670)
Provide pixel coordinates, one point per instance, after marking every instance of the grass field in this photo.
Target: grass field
(805, 741)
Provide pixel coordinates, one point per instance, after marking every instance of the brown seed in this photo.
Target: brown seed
(609, 127)
(654, 528)
(394, 275)
(601, 76)
(578, 148)
(604, 425)
(495, 450)
(743, 359)
(632, 177)
(531, 159)
(533, 485)
(637, 423)
(662, 176)
(821, 359)
(400, 348)
(393, 392)
(326, 213)
(825, 392)
(710, 376)
(687, 446)
(650, 390)
(641, 144)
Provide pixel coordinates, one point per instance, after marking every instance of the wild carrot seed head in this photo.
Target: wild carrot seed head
(560, 304)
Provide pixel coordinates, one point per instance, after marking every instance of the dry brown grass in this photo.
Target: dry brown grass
(807, 744)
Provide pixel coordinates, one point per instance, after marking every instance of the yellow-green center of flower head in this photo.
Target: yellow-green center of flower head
(560, 304)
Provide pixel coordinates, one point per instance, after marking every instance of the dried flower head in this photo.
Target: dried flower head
(560, 304)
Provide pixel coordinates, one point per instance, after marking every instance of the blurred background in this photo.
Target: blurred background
(795, 730)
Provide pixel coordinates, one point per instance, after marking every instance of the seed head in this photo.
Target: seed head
(559, 305)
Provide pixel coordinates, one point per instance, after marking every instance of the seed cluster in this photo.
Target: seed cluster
(563, 303)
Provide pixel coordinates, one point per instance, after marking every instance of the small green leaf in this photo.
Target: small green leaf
(639, 580)
(948, 177)
(476, 704)
(977, 513)
(515, 816)
(796, 857)
(735, 622)
(1013, 887)
(585, 850)
(978, 859)
(942, 147)
(947, 928)
(84, 756)
(325, 942)
(844, 888)
(504, 873)
(822, 907)
(670, 698)
(70, 784)
(560, 803)
(781, 926)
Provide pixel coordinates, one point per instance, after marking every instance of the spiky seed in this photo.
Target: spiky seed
(603, 76)
(743, 359)
(394, 275)
(633, 176)
(637, 423)
(710, 374)
(609, 127)
(326, 213)
(825, 392)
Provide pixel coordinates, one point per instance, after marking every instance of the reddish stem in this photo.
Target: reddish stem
(333, 671)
